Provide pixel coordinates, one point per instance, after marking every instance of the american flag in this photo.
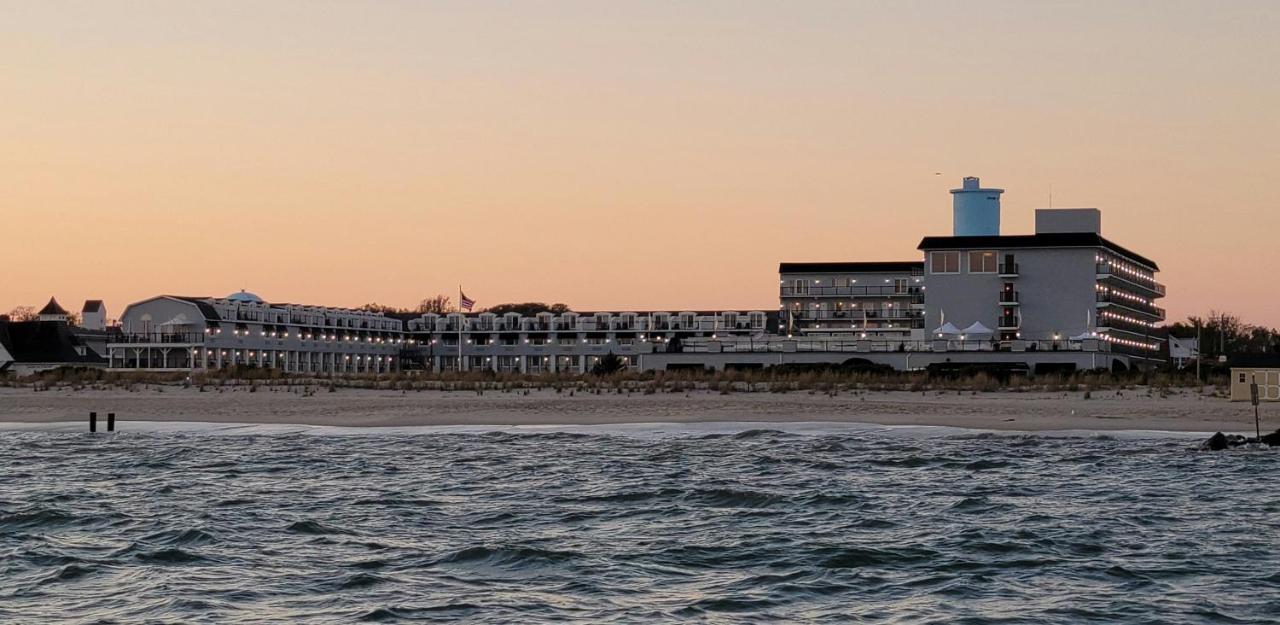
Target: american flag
(464, 302)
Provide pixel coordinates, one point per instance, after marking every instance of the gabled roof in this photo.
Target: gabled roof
(1043, 240)
(52, 308)
(869, 267)
(210, 313)
(93, 305)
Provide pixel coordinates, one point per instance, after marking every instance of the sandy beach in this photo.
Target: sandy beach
(1183, 411)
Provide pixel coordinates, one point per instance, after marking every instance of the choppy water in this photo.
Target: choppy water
(753, 526)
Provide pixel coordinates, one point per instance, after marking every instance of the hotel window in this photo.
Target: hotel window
(982, 262)
(799, 287)
(899, 285)
(944, 262)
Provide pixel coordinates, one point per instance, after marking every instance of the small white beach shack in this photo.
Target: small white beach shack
(1246, 369)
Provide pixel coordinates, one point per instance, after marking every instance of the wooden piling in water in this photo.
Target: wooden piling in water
(93, 422)
(111, 421)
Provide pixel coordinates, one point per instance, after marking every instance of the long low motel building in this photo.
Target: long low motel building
(191, 333)
(570, 342)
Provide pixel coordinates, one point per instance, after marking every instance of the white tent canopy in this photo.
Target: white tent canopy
(976, 330)
(947, 329)
(1087, 334)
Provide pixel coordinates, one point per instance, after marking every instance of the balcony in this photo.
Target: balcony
(1010, 298)
(808, 290)
(1109, 299)
(857, 315)
(1107, 272)
(161, 338)
(1008, 270)
(1009, 322)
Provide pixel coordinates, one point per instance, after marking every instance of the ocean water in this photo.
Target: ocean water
(633, 525)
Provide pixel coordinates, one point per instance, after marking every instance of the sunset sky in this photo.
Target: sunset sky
(618, 155)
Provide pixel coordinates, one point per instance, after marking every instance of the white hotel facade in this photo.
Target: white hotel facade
(202, 333)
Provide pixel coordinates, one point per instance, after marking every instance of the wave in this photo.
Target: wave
(314, 527)
(513, 557)
(180, 537)
(858, 557)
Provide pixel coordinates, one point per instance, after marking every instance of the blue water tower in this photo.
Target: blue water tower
(975, 211)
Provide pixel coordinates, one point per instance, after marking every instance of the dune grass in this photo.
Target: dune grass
(832, 381)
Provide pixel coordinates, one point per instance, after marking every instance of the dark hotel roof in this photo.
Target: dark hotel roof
(1052, 239)
(882, 267)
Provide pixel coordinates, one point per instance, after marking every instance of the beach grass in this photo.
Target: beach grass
(828, 381)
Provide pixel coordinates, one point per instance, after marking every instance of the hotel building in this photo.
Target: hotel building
(570, 342)
(171, 332)
(866, 300)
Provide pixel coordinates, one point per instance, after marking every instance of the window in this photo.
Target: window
(799, 287)
(982, 262)
(944, 262)
(899, 285)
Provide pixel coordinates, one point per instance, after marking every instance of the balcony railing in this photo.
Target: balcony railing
(1008, 269)
(1105, 271)
(847, 291)
(1009, 298)
(1010, 322)
(159, 337)
(816, 344)
(1151, 309)
(856, 315)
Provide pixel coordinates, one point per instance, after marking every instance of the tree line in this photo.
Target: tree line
(443, 304)
(1222, 333)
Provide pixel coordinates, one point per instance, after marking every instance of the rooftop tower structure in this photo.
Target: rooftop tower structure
(975, 210)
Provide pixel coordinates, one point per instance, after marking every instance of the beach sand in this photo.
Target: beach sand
(1179, 411)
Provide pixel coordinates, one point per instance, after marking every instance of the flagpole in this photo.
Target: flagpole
(461, 318)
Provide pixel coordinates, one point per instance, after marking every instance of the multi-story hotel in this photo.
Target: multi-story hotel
(867, 300)
(1063, 289)
(1061, 298)
(1065, 282)
(170, 332)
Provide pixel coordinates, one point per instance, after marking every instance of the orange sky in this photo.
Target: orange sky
(617, 155)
